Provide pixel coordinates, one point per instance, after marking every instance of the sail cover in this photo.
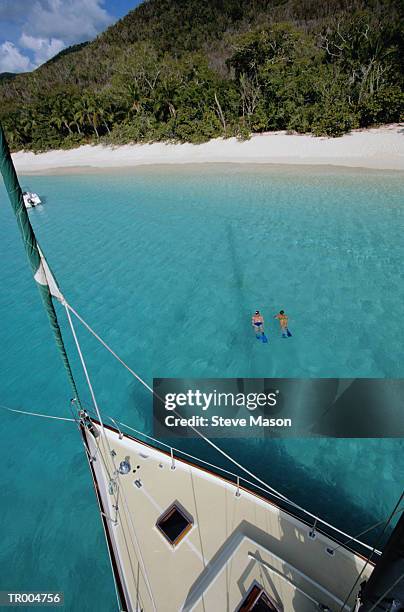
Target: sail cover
(43, 276)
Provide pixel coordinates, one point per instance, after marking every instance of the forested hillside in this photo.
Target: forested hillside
(190, 70)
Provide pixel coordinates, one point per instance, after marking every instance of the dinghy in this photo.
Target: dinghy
(31, 199)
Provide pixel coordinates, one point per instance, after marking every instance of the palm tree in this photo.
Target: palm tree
(61, 113)
(105, 111)
(79, 116)
(91, 111)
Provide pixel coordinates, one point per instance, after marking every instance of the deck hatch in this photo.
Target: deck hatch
(174, 524)
(257, 601)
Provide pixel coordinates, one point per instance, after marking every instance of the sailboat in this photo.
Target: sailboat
(183, 534)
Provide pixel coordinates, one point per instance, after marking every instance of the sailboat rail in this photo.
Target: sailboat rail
(309, 518)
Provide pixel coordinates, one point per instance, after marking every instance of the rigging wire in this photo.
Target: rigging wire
(144, 383)
(46, 416)
(145, 574)
(83, 364)
(90, 329)
(387, 592)
(378, 524)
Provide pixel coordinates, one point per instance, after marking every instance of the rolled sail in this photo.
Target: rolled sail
(43, 276)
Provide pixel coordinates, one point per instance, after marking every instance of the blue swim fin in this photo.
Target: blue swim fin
(264, 339)
(289, 334)
(258, 336)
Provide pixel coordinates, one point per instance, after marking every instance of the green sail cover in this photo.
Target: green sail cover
(43, 276)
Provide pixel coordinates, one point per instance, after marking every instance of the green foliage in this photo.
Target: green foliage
(182, 70)
(385, 106)
(333, 120)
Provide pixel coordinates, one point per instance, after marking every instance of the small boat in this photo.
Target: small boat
(31, 199)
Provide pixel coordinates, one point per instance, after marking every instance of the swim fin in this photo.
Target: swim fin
(258, 336)
(289, 334)
(264, 339)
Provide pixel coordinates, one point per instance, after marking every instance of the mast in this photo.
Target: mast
(384, 591)
(46, 283)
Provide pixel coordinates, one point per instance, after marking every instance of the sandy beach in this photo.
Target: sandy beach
(379, 148)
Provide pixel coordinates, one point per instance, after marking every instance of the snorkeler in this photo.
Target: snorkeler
(258, 322)
(283, 322)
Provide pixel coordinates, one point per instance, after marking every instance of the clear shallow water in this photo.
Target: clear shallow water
(168, 264)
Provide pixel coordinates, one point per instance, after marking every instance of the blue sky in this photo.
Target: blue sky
(33, 31)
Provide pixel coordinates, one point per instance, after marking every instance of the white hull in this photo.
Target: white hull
(237, 540)
(31, 199)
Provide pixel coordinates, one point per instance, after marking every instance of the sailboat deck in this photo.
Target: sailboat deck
(232, 542)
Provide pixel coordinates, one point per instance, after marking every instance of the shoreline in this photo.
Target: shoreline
(212, 167)
(373, 149)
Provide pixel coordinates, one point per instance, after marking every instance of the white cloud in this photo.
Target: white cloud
(43, 48)
(47, 27)
(12, 60)
(69, 20)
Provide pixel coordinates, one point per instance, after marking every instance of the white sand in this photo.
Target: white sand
(381, 148)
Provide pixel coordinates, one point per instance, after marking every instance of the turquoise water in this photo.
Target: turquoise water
(168, 264)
